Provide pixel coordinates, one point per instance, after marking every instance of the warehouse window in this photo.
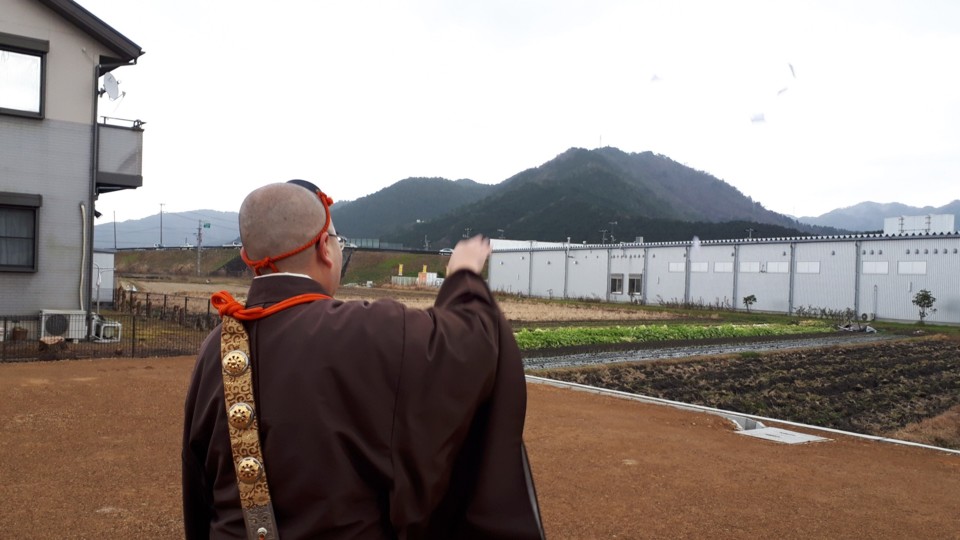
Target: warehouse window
(635, 284)
(912, 267)
(749, 267)
(699, 267)
(875, 267)
(778, 267)
(616, 284)
(676, 267)
(22, 65)
(19, 217)
(808, 267)
(723, 267)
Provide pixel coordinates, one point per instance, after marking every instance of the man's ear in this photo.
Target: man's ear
(323, 251)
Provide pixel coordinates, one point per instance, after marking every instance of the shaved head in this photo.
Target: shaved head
(278, 218)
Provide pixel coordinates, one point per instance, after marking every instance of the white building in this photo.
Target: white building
(929, 224)
(875, 275)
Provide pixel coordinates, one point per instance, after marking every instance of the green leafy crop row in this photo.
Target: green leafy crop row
(540, 338)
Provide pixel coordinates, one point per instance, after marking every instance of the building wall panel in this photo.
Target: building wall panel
(772, 289)
(715, 285)
(509, 272)
(626, 262)
(62, 177)
(664, 285)
(548, 273)
(890, 295)
(833, 287)
(588, 274)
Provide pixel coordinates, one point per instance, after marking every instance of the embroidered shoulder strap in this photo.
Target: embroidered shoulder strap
(244, 436)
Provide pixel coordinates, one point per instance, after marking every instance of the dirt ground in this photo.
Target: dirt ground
(90, 449)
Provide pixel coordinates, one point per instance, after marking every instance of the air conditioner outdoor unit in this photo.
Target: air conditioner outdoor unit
(69, 324)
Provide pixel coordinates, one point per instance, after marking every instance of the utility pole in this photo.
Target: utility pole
(749, 233)
(501, 233)
(466, 232)
(604, 233)
(161, 224)
(200, 227)
(613, 240)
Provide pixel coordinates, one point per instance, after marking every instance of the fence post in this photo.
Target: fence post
(163, 312)
(3, 354)
(208, 308)
(133, 345)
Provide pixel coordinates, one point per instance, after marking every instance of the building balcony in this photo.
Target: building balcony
(119, 155)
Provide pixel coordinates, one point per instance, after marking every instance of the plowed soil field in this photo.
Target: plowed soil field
(907, 388)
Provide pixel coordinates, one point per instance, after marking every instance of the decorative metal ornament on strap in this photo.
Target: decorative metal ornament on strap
(244, 435)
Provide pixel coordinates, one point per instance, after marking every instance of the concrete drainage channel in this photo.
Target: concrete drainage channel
(747, 424)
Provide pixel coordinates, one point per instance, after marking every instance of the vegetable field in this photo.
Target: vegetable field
(544, 338)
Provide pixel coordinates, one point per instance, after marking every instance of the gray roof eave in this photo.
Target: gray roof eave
(124, 49)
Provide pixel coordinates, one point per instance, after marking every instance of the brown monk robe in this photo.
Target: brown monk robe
(376, 421)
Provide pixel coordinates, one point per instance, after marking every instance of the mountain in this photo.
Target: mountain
(179, 228)
(869, 216)
(403, 204)
(589, 195)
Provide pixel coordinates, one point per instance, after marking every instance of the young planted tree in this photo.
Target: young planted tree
(749, 301)
(924, 301)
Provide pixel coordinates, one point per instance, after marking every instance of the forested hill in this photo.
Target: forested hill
(586, 195)
(589, 195)
(403, 204)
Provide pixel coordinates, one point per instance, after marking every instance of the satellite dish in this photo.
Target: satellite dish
(111, 86)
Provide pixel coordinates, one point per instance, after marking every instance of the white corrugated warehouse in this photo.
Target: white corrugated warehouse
(876, 275)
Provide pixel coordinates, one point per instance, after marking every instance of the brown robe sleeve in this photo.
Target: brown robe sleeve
(460, 468)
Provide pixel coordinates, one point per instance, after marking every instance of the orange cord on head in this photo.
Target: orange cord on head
(269, 262)
(227, 306)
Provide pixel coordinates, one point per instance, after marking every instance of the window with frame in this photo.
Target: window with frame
(19, 219)
(635, 284)
(912, 267)
(875, 267)
(616, 284)
(22, 75)
(778, 267)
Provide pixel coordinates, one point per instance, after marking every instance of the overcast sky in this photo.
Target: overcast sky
(804, 106)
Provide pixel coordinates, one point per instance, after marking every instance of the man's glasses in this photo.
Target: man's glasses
(341, 240)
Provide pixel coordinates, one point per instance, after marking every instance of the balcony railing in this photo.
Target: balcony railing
(120, 154)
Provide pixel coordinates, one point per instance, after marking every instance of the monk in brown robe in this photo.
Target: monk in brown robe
(375, 420)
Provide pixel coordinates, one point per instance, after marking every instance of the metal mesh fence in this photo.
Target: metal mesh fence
(140, 325)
